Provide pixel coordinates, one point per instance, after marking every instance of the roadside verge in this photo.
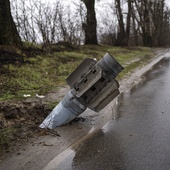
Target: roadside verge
(38, 152)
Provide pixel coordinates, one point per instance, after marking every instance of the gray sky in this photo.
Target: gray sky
(75, 1)
(168, 2)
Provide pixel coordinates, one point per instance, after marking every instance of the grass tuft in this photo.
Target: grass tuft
(6, 135)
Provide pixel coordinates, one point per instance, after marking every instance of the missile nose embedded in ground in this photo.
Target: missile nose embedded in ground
(92, 85)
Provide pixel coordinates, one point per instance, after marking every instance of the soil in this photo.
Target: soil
(36, 147)
(12, 56)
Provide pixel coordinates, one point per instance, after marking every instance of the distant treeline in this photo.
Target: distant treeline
(118, 22)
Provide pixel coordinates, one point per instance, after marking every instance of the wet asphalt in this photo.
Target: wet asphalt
(138, 138)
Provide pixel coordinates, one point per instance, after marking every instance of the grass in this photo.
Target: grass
(52, 105)
(6, 135)
(43, 73)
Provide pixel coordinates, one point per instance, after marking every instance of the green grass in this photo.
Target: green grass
(43, 73)
(6, 135)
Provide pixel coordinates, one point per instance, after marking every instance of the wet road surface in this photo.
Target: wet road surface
(138, 138)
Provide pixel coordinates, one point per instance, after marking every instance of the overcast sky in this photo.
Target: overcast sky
(75, 1)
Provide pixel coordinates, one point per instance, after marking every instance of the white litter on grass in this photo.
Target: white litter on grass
(40, 96)
(27, 95)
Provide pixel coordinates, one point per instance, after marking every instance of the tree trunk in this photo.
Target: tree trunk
(135, 30)
(8, 32)
(121, 37)
(90, 26)
(128, 21)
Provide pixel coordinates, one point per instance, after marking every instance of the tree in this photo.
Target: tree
(8, 32)
(128, 21)
(121, 28)
(151, 18)
(90, 27)
(123, 32)
(160, 25)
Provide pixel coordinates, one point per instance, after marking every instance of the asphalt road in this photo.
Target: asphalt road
(138, 138)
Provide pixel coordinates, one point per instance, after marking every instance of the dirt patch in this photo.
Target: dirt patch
(7, 57)
(22, 112)
(19, 121)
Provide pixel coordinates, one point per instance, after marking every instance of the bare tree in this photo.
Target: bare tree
(107, 31)
(134, 22)
(160, 24)
(48, 23)
(90, 26)
(123, 33)
(8, 32)
(150, 16)
(128, 21)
